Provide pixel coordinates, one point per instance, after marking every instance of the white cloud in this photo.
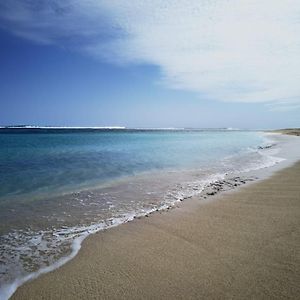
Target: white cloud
(234, 50)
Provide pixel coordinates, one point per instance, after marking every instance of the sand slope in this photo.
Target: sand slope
(243, 244)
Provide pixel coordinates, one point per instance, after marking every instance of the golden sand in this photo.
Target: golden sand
(243, 245)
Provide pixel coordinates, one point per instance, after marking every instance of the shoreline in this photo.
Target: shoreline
(263, 174)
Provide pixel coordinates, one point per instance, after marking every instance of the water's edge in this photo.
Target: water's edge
(212, 186)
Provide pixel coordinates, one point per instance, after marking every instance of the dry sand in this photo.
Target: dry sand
(241, 244)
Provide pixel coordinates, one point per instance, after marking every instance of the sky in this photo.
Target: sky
(158, 63)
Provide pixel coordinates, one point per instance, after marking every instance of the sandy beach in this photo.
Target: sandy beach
(149, 150)
(240, 244)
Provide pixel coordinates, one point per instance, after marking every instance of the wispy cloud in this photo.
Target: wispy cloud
(244, 51)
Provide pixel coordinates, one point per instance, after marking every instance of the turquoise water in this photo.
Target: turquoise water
(37, 165)
(60, 185)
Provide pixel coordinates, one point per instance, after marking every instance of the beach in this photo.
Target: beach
(60, 185)
(238, 244)
(149, 150)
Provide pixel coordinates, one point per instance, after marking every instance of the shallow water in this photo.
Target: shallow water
(59, 185)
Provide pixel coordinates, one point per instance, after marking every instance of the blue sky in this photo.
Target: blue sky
(150, 63)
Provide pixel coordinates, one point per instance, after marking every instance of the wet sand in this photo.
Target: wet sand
(240, 244)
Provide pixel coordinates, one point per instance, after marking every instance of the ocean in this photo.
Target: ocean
(59, 185)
